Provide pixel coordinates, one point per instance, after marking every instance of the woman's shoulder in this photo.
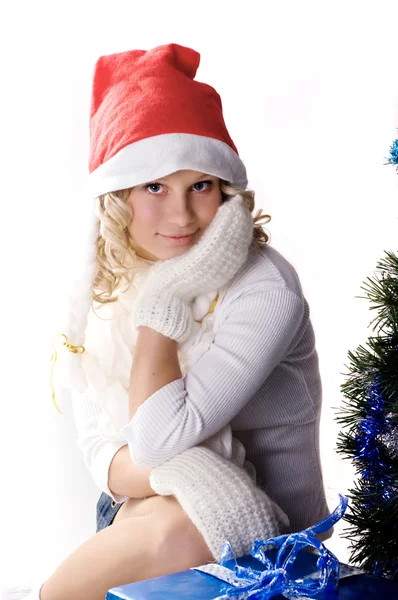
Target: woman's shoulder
(265, 269)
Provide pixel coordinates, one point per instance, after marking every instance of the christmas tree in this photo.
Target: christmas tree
(369, 418)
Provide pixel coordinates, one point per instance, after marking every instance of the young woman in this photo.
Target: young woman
(195, 380)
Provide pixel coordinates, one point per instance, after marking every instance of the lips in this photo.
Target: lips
(179, 235)
(185, 239)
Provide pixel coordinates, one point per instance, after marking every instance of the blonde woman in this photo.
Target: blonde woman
(192, 362)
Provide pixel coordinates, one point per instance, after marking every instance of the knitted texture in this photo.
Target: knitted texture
(220, 498)
(211, 263)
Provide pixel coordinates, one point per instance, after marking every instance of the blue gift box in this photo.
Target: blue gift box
(195, 585)
(281, 565)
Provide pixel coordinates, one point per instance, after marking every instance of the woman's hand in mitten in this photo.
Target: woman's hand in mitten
(210, 264)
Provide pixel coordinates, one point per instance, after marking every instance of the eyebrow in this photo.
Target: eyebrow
(199, 177)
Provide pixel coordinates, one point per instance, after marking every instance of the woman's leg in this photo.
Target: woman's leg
(139, 507)
(158, 542)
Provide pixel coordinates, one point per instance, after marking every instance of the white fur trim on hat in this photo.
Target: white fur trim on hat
(160, 155)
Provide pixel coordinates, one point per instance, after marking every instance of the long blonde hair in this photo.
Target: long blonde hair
(115, 255)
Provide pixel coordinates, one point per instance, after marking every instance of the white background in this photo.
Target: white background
(310, 97)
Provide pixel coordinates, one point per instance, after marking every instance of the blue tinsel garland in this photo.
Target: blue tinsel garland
(393, 158)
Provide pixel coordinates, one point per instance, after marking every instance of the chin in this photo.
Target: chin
(177, 252)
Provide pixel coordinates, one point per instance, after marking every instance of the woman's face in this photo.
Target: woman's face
(182, 203)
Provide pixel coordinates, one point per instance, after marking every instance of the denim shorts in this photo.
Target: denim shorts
(106, 511)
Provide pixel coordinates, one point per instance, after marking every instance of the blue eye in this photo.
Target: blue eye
(148, 185)
(156, 183)
(208, 181)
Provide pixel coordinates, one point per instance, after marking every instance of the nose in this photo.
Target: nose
(180, 211)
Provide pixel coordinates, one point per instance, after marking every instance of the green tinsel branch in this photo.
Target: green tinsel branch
(368, 417)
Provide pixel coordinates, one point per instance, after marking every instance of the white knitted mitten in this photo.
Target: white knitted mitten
(220, 499)
(208, 265)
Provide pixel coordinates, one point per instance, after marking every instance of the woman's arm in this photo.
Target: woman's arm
(126, 478)
(155, 364)
(109, 463)
(257, 332)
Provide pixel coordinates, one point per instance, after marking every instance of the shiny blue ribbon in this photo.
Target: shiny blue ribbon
(261, 585)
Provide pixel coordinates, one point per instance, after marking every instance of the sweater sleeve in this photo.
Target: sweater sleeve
(254, 337)
(97, 452)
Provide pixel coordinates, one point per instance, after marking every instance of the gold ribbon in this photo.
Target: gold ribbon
(54, 356)
(81, 349)
(212, 306)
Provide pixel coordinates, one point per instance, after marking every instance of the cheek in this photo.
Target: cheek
(145, 215)
(206, 211)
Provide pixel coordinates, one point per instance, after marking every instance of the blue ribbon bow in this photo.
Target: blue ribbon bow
(262, 585)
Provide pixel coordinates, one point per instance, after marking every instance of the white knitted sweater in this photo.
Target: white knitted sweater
(260, 374)
(220, 498)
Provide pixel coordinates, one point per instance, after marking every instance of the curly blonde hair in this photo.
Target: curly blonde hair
(115, 255)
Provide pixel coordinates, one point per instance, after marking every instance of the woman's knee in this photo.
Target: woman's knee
(169, 540)
(181, 545)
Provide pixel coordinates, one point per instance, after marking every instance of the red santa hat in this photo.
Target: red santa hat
(148, 118)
